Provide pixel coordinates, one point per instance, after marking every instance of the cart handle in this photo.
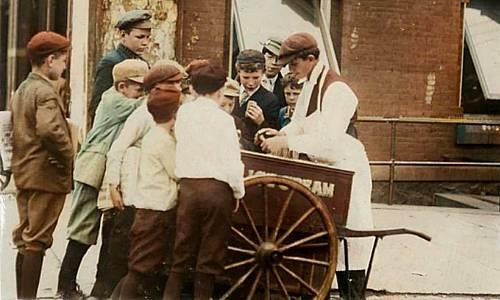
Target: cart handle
(344, 232)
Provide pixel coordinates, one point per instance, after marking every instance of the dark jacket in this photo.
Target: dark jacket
(270, 107)
(279, 92)
(104, 76)
(40, 132)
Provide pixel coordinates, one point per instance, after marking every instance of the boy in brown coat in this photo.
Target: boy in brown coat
(42, 157)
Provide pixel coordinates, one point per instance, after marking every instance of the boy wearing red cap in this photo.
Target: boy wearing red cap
(84, 222)
(42, 158)
(210, 172)
(153, 231)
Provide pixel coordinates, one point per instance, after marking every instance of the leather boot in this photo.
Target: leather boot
(352, 285)
(129, 284)
(30, 274)
(358, 284)
(66, 285)
(203, 286)
(19, 268)
(173, 287)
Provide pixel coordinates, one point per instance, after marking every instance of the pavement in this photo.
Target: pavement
(461, 262)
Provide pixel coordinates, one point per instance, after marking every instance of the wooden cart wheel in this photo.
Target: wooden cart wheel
(283, 243)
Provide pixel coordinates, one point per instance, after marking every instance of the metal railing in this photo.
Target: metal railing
(413, 120)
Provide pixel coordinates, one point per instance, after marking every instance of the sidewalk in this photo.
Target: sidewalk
(461, 262)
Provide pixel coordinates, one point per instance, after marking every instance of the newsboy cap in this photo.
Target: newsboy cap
(137, 18)
(295, 44)
(272, 45)
(231, 88)
(130, 69)
(163, 104)
(45, 43)
(161, 73)
(249, 56)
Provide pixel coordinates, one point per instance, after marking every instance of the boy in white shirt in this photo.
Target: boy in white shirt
(151, 235)
(210, 172)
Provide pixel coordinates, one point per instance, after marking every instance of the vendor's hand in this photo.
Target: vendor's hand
(263, 134)
(116, 197)
(254, 113)
(53, 161)
(275, 145)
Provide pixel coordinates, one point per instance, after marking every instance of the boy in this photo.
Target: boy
(231, 94)
(257, 107)
(153, 231)
(292, 91)
(135, 31)
(83, 226)
(42, 157)
(210, 172)
(272, 79)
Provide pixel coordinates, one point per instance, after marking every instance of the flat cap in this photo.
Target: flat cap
(195, 64)
(137, 18)
(172, 63)
(231, 88)
(163, 103)
(161, 73)
(249, 56)
(272, 45)
(295, 44)
(45, 43)
(130, 69)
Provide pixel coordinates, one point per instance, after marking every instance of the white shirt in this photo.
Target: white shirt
(157, 186)
(134, 129)
(269, 83)
(207, 145)
(323, 128)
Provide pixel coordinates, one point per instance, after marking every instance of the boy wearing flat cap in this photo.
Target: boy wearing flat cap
(210, 172)
(83, 227)
(257, 107)
(272, 76)
(153, 231)
(42, 158)
(135, 32)
(319, 129)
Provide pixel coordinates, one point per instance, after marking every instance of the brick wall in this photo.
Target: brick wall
(403, 59)
(203, 30)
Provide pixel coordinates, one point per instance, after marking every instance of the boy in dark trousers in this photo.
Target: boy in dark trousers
(209, 167)
(153, 231)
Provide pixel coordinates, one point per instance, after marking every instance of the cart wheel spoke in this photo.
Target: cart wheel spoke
(313, 245)
(240, 263)
(244, 237)
(240, 250)
(300, 280)
(250, 219)
(282, 214)
(307, 260)
(311, 275)
(266, 213)
(303, 241)
(239, 282)
(254, 285)
(296, 224)
(268, 285)
(280, 282)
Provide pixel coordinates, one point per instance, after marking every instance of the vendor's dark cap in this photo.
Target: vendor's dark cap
(295, 44)
(45, 43)
(135, 19)
(250, 56)
(161, 73)
(162, 104)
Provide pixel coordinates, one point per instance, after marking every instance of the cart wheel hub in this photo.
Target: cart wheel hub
(268, 254)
